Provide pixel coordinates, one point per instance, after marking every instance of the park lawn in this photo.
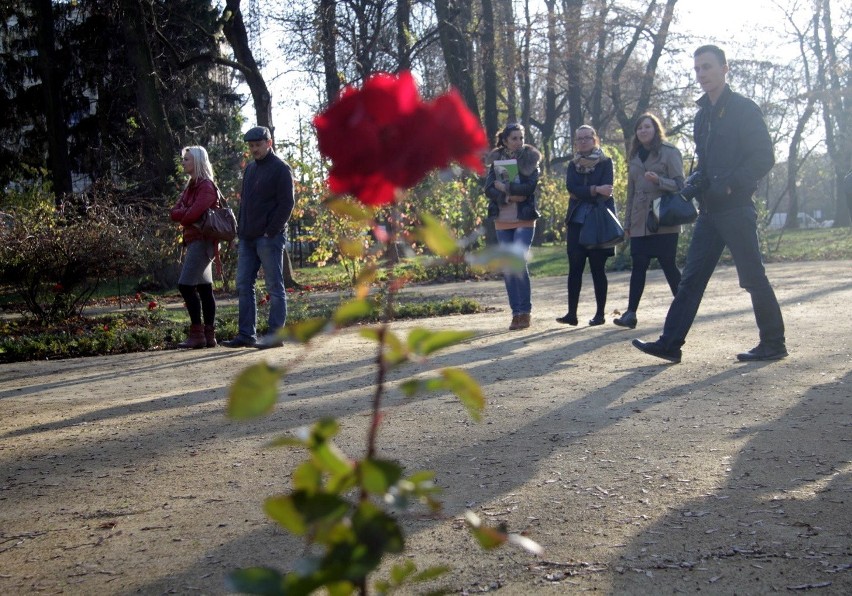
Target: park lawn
(821, 244)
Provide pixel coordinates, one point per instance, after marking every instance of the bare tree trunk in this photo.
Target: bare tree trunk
(403, 33)
(596, 102)
(573, 10)
(489, 70)
(158, 143)
(836, 110)
(552, 111)
(510, 57)
(626, 119)
(51, 87)
(327, 16)
(524, 71)
(793, 164)
(234, 28)
(453, 21)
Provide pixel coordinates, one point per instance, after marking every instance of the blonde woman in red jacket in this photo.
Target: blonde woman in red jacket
(196, 276)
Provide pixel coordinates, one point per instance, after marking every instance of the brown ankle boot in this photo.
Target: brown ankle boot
(195, 339)
(514, 324)
(210, 335)
(523, 321)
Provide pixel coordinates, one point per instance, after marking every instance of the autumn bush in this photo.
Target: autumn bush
(54, 259)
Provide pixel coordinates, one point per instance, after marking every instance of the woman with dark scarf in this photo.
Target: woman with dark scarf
(589, 181)
(513, 209)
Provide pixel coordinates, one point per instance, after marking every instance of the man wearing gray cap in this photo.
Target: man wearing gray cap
(266, 202)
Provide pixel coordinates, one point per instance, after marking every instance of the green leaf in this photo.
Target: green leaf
(341, 588)
(395, 352)
(307, 477)
(255, 580)
(378, 475)
(467, 390)
(377, 531)
(488, 538)
(283, 510)
(421, 476)
(430, 573)
(299, 511)
(499, 258)
(366, 278)
(331, 459)
(425, 342)
(349, 209)
(399, 573)
(254, 391)
(352, 248)
(352, 310)
(324, 429)
(305, 331)
(414, 386)
(433, 233)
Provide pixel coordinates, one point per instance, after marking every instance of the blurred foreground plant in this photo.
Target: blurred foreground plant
(338, 504)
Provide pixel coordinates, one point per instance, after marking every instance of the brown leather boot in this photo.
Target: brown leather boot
(210, 335)
(195, 339)
(514, 324)
(523, 321)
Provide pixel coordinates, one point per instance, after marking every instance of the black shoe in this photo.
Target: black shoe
(763, 352)
(269, 341)
(239, 342)
(628, 319)
(568, 319)
(653, 348)
(597, 321)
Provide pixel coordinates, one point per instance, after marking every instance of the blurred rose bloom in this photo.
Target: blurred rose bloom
(383, 137)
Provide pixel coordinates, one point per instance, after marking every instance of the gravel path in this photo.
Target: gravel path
(121, 474)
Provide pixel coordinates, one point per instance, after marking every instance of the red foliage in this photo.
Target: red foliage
(383, 137)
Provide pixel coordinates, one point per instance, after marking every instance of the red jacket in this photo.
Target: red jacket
(194, 201)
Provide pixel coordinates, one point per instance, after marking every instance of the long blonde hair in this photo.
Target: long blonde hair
(203, 167)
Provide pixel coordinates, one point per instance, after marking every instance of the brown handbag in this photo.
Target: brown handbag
(218, 223)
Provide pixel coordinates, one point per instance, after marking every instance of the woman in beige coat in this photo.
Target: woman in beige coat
(655, 167)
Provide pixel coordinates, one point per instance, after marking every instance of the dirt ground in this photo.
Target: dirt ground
(121, 474)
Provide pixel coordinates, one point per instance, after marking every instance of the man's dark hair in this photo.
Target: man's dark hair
(715, 50)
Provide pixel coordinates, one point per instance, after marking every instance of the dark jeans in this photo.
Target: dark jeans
(251, 254)
(736, 229)
(518, 282)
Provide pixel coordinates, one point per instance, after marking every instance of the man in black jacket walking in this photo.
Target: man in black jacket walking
(266, 203)
(734, 152)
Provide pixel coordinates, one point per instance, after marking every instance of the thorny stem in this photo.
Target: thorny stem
(381, 364)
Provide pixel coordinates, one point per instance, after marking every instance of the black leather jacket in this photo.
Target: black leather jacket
(734, 150)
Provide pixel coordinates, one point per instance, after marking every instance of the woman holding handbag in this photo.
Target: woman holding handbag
(511, 189)
(655, 167)
(589, 181)
(196, 276)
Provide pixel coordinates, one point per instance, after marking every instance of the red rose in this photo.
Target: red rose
(152, 305)
(383, 137)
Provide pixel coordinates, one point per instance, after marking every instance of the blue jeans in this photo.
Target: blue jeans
(252, 254)
(736, 229)
(518, 282)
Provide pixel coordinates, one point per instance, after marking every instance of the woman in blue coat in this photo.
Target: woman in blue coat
(589, 181)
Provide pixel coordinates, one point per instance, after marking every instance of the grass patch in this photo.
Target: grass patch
(821, 244)
(138, 330)
(779, 246)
